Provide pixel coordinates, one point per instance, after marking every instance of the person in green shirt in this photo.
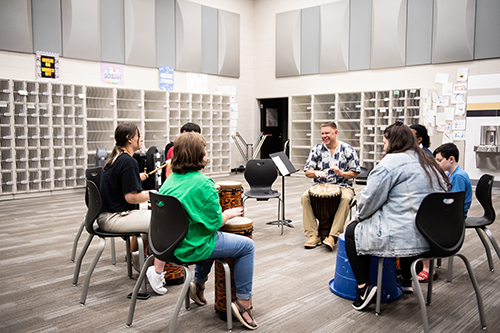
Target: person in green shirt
(203, 241)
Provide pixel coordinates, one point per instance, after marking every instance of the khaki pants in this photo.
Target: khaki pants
(309, 221)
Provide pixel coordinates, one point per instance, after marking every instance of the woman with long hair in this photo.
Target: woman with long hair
(203, 241)
(384, 224)
(121, 192)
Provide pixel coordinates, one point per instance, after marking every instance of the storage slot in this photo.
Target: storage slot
(22, 181)
(6, 136)
(301, 134)
(45, 158)
(6, 159)
(59, 179)
(7, 182)
(46, 180)
(34, 181)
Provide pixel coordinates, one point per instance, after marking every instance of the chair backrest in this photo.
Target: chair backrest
(94, 205)
(440, 219)
(168, 227)
(93, 174)
(261, 174)
(483, 195)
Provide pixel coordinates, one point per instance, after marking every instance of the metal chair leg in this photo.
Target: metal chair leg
(80, 259)
(486, 248)
(476, 289)
(185, 290)
(379, 285)
(430, 281)
(75, 242)
(449, 274)
(92, 266)
(492, 240)
(229, 314)
(137, 285)
(420, 296)
(113, 252)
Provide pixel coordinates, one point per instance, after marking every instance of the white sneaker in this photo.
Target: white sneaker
(156, 281)
(135, 261)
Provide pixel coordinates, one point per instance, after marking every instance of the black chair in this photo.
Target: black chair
(440, 219)
(483, 195)
(169, 225)
(93, 174)
(363, 176)
(94, 209)
(260, 175)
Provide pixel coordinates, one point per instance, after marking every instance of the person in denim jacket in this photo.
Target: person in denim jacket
(384, 224)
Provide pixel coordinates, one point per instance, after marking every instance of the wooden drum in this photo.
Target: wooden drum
(229, 194)
(237, 225)
(325, 200)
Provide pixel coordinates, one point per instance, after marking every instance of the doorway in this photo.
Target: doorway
(274, 123)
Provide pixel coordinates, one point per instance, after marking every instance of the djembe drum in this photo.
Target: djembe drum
(325, 199)
(237, 225)
(229, 194)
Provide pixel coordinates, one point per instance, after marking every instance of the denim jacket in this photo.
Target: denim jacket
(389, 204)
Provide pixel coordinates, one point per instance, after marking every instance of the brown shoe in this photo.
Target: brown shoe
(312, 242)
(330, 242)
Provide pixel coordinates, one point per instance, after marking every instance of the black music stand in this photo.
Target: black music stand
(286, 168)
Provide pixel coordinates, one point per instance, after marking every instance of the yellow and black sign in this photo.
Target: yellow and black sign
(48, 68)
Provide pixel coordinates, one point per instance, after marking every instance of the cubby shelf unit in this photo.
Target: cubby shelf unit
(361, 119)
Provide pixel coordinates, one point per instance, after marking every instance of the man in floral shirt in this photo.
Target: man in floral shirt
(334, 162)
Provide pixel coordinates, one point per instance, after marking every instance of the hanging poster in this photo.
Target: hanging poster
(166, 78)
(112, 73)
(47, 65)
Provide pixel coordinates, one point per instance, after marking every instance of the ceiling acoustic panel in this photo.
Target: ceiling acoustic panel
(229, 44)
(188, 36)
(140, 33)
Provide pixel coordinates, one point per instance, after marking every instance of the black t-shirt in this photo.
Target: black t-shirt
(122, 178)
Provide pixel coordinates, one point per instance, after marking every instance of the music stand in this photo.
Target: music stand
(286, 168)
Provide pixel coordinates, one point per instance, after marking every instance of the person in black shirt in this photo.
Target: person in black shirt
(121, 192)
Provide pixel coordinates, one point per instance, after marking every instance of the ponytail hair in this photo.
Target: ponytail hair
(123, 133)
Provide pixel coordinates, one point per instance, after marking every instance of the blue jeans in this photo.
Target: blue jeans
(242, 250)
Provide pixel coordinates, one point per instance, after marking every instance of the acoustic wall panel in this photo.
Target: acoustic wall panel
(288, 43)
(209, 17)
(188, 36)
(419, 32)
(360, 34)
(453, 31)
(487, 44)
(334, 45)
(229, 44)
(81, 29)
(15, 26)
(165, 33)
(310, 30)
(112, 31)
(388, 44)
(47, 26)
(140, 33)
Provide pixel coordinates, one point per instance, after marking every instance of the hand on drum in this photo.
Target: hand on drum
(230, 213)
(337, 171)
(320, 174)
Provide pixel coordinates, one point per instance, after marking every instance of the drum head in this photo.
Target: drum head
(238, 220)
(324, 190)
(229, 184)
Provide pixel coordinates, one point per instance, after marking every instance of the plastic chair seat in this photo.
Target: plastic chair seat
(477, 222)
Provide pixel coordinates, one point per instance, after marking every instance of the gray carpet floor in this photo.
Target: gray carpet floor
(291, 284)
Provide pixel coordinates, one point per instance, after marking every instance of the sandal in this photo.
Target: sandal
(194, 293)
(424, 276)
(239, 310)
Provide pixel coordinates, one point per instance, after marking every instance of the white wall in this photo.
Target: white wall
(268, 86)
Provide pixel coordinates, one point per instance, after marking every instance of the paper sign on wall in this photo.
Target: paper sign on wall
(459, 124)
(460, 88)
(459, 135)
(460, 109)
(449, 113)
(447, 137)
(462, 74)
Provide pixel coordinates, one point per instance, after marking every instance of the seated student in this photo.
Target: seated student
(121, 192)
(203, 241)
(447, 157)
(384, 224)
(423, 139)
(187, 127)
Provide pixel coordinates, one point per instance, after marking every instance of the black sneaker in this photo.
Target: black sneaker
(405, 285)
(364, 296)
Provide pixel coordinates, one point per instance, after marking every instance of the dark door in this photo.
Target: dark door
(274, 123)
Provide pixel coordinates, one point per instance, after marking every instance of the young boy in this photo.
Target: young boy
(446, 156)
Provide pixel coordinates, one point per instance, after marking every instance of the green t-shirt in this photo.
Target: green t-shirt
(200, 199)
